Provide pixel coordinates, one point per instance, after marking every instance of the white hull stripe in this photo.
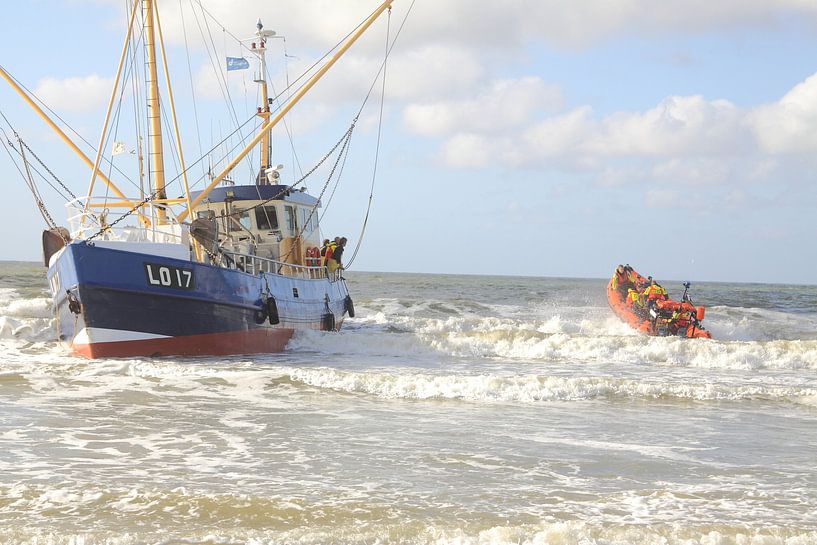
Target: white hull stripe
(91, 335)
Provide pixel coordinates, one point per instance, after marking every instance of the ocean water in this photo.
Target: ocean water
(452, 410)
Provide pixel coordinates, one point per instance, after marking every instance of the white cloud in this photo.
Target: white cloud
(789, 125)
(678, 125)
(662, 198)
(505, 25)
(503, 105)
(77, 94)
(685, 139)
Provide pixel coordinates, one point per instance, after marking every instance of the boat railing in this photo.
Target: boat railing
(86, 221)
(254, 264)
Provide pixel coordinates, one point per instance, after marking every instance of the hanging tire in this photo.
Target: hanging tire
(349, 306)
(328, 322)
(272, 311)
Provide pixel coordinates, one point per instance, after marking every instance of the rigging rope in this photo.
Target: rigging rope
(37, 197)
(63, 121)
(379, 126)
(377, 150)
(277, 196)
(341, 155)
(345, 137)
(190, 75)
(29, 181)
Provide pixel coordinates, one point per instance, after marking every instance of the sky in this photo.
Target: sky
(518, 138)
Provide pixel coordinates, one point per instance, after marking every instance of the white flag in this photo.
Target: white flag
(118, 148)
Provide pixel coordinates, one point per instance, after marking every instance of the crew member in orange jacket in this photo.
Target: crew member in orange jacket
(621, 280)
(655, 292)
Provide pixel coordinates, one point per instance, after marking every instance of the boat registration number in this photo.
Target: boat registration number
(169, 277)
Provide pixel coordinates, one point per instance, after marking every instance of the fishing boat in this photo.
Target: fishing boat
(228, 269)
(650, 310)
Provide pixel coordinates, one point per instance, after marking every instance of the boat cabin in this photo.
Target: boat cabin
(268, 221)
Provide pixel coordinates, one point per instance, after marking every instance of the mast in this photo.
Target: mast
(154, 112)
(286, 108)
(111, 101)
(64, 137)
(260, 49)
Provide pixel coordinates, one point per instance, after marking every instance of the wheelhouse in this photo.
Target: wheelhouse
(268, 221)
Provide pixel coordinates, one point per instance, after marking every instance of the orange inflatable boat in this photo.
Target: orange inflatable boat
(646, 306)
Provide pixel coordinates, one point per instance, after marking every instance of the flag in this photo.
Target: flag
(118, 148)
(237, 63)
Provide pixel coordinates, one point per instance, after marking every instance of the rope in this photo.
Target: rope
(56, 115)
(40, 161)
(343, 138)
(278, 195)
(347, 139)
(30, 183)
(190, 75)
(155, 193)
(379, 128)
(35, 192)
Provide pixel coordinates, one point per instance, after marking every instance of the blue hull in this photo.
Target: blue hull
(127, 304)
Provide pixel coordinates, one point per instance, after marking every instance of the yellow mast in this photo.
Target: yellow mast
(95, 168)
(173, 110)
(287, 107)
(6, 76)
(263, 110)
(154, 112)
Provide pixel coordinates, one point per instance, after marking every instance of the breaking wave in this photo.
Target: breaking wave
(537, 388)
(100, 515)
(578, 335)
(25, 319)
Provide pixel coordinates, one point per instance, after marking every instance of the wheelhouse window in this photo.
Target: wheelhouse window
(266, 218)
(292, 219)
(239, 221)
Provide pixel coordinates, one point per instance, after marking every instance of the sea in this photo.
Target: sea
(456, 410)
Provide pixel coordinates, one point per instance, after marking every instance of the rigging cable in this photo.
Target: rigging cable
(341, 155)
(64, 187)
(154, 194)
(38, 200)
(190, 75)
(220, 77)
(57, 116)
(379, 126)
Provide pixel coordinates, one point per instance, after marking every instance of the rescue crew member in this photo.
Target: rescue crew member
(334, 262)
(621, 279)
(635, 301)
(326, 253)
(654, 291)
(634, 298)
(679, 322)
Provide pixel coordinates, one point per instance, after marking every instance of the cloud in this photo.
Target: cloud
(685, 139)
(77, 94)
(789, 125)
(504, 25)
(503, 105)
(662, 198)
(510, 24)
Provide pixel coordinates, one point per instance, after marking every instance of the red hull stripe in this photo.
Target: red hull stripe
(256, 341)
